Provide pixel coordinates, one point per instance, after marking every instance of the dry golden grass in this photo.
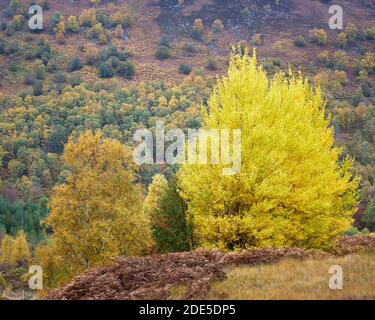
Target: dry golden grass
(297, 280)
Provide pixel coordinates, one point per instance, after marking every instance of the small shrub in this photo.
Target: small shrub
(74, 64)
(341, 77)
(72, 24)
(126, 70)
(256, 39)
(60, 77)
(3, 283)
(184, 69)
(40, 71)
(198, 29)
(17, 22)
(340, 60)
(106, 70)
(127, 21)
(299, 41)
(323, 56)
(352, 231)
(342, 40)
(38, 88)
(319, 36)
(352, 32)
(189, 48)
(29, 54)
(162, 53)
(164, 42)
(211, 64)
(28, 78)
(370, 33)
(217, 25)
(75, 81)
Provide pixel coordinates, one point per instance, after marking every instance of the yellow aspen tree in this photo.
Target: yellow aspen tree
(156, 191)
(97, 214)
(72, 24)
(7, 250)
(293, 188)
(21, 254)
(60, 31)
(55, 272)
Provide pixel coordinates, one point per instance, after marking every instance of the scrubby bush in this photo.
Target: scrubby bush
(86, 17)
(59, 77)
(211, 64)
(74, 64)
(184, 69)
(198, 29)
(55, 20)
(163, 53)
(352, 32)
(75, 81)
(28, 78)
(323, 57)
(17, 22)
(341, 77)
(127, 21)
(59, 30)
(256, 39)
(369, 215)
(72, 24)
(189, 48)
(299, 41)
(370, 33)
(368, 62)
(40, 71)
(106, 70)
(38, 88)
(126, 70)
(319, 36)
(342, 40)
(352, 231)
(340, 60)
(164, 42)
(217, 25)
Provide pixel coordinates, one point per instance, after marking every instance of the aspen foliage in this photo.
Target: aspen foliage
(293, 188)
(15, 251)
(21, 254)
(6, 250)
(55, 272)
(72, 24)
(156, 191)
(59, 30)
(97, 214)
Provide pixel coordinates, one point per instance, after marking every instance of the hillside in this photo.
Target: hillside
(278, 25)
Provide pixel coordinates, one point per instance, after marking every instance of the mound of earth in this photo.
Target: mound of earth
(153, 277)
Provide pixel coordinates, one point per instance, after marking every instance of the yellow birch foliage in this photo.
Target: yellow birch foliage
(292, 189)
(15, 251)
(7, 250)
(55, 272)
(97, 214)
(156, 191)
(21, 251)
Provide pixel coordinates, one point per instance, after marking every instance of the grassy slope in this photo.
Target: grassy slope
(295, 279)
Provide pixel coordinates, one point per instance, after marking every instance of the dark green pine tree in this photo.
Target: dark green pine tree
(170, 225)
